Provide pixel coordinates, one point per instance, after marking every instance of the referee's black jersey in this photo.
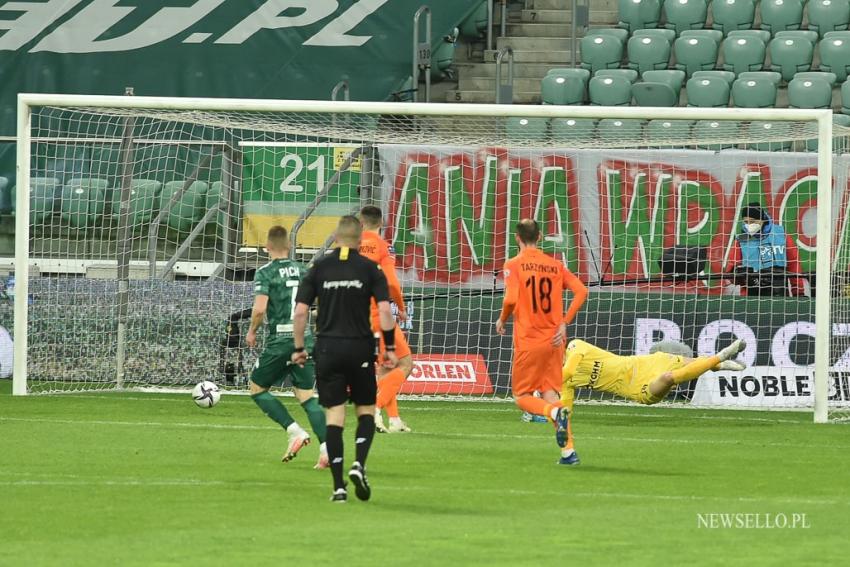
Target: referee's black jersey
(344, 282)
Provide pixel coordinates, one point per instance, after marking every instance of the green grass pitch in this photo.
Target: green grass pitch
(150, 479)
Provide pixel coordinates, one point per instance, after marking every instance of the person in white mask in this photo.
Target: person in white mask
(765, 258)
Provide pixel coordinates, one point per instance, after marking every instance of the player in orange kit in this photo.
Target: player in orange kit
(534, 290)
(389, 381)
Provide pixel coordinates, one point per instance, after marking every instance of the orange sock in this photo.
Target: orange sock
(570, 435)
(388, 386)
(537, 406)
(392, 407)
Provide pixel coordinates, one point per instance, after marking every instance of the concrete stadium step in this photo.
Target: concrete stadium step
(524, 84)
(597, 17)
(488, 70)
(490, 97)
(534, 43)
(555, 57)
(525, 29)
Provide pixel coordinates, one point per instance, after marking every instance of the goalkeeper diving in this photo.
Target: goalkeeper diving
(645, 379)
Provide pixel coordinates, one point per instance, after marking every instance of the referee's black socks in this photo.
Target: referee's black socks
(363, 440)
(334, 444)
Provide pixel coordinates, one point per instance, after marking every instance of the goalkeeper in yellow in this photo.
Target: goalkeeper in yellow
(645, 379)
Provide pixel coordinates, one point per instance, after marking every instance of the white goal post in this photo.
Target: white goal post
(455, 125)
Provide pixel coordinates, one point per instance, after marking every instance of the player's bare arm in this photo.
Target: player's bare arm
(258, 314)
(388, 328)
(299, 325)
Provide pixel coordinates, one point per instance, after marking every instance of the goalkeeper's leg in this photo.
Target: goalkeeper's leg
(693, 369)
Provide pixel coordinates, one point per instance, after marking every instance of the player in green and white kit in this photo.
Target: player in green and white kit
(275, 286)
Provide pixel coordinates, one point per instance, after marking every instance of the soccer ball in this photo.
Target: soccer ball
(206, 394)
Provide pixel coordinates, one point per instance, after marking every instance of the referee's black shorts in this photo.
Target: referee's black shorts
(345, 370)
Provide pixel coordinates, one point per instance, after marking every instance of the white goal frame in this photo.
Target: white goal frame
(823, 119)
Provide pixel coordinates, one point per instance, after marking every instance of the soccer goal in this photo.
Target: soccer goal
(142, 221)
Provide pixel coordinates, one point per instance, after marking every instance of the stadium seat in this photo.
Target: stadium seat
(639, 14)
(682, 15)
(835, 56)
(83, 201)
(754, 93)
(763, 35)
(809, 35)
(526, 129)
(213, 200)
(660, 33)
(771, 76)
(716, 35)
(619, 33)
(654, 93)
(5, 195)
(727, 76)
(708, 92)
(845, 97)
(809, 93)
(742, 54)
(159, 161)
(610, 91)
(839, 143)
(716, 135)
(789, 56)
(759, 129)
(830, 78)
(474, 26)
(674, 78)
(670, 131)
(565, 86)
(629, 74)
(828, 15)
(600, 51)
(625, 132)
(728, 15)
(42, 198)
(695, 54)
(573, 129)
(648, 53)
(779, 15)
(144, 197)
(188, 208)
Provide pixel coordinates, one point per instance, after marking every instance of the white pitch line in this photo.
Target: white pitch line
(541, 437)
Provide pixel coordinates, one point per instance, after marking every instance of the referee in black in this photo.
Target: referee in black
(345, 283)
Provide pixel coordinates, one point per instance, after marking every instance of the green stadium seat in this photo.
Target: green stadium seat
(188, 208)
(845, 97)
(830, 78)
(836, 34)
(639, 14)
(83, 201)
(839, 142)
(682, 15)
(707, 92)
(809, 35)
(610, 91)
(828, 15)
(5, 195)
(780, 15)
(629, 74)
(600, 51)
(809, 93)
(474, 26)
(660, 33)
(144, 200)
(159, 161)
(650, 93)
(772, 76)
(625, 132)
(789, 56)
(521, 129)
(835, 56)
(742, 54)
(715, 135)
(573, 129)
(695, 54)
(43, 195)
(619, 33)
(675, 133)
(763, 35)
(728, 15)
(727, 76)
(716, 35)
(754, 93)
(648, 53)
(214, 200)
(759, 129)
(674, 78)
(565, 86)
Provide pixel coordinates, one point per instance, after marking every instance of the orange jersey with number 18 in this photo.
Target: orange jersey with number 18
(534, 291)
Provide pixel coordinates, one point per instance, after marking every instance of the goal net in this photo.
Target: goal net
(145, 220)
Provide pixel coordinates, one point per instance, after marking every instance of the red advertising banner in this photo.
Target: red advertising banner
(448, 374)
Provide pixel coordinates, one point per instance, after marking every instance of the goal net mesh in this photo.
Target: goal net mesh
(647, 213)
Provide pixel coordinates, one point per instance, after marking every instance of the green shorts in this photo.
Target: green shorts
(273, 366)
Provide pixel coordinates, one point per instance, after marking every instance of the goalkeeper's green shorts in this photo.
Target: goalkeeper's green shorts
(274, 367)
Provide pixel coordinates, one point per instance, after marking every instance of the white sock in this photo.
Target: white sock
(295, 429)
(395, 420)
(554, 413)
(567, 452)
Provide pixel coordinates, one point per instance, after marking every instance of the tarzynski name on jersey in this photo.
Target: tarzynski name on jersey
(544, 268)
(342, 283)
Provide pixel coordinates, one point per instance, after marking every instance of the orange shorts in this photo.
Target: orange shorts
(537, 369)
(402, 349)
